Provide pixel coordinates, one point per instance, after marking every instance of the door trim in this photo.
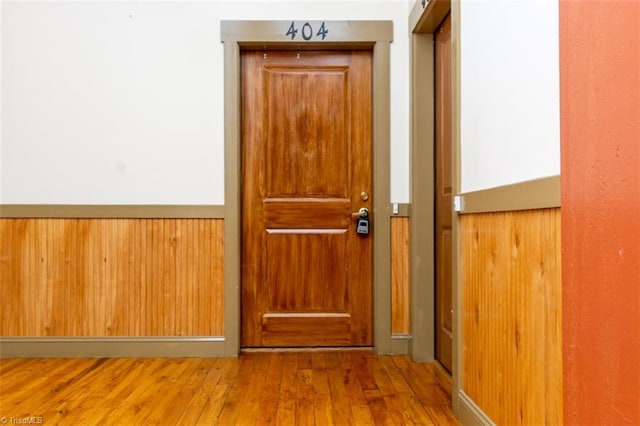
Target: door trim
(374, 35)
(424, 20)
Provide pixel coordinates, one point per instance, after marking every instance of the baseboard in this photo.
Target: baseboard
(400, 344)
(470, 414)
(112, 347)
(138, 347)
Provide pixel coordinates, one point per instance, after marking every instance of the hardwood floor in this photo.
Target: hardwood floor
(281, 388)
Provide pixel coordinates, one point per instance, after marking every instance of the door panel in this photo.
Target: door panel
(315, 282)
(444, 193)
(306, 155)
(304, 141)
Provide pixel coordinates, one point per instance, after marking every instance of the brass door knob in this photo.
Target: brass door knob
(363, 212)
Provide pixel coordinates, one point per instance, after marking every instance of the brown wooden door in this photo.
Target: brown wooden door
(444, 192)
(306, 156)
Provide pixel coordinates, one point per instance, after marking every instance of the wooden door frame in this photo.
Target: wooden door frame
(374, 35)
(424, 20)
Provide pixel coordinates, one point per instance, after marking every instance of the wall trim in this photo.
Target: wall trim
(470, 414)
(111, 211)
(404, 210)
(529, 195)
(126, 211)
(113, 347)
(401, 344)
(426, 17)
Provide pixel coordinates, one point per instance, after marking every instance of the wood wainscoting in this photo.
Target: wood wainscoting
(400, 276)
(111, 277)
(511, 301)
(116, 277)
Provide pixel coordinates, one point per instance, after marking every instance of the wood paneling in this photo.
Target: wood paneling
(284, 388)
(111, 277)
(35, 278)
(511, 289)
(400, 275)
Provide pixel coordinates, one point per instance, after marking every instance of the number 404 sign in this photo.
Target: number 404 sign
(306, 31)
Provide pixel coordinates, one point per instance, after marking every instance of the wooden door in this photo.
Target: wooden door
(444, 193)
(306, 155)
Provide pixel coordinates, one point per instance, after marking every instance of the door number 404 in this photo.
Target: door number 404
(307, 31)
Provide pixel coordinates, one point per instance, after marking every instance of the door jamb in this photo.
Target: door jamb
(424, 19)
(375, 35)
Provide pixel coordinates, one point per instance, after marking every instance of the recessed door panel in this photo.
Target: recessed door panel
(300, 148)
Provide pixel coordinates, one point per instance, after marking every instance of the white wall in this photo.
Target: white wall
(510, 92)
(121, 102)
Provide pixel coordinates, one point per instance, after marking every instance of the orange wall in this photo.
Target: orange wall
(600, 130)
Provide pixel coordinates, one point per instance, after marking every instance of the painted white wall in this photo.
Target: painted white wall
(122, 102)
(510, 92)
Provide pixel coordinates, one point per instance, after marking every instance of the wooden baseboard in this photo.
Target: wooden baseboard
(138, 347)
(114, 347)
(400, 344)
(470, 414)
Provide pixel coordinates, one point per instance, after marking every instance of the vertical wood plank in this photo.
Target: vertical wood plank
(217, 273)
(190, 285)
(511, 285)
(111, 277)
(400, 275)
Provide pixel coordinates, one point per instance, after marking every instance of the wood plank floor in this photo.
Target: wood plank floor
(257, 388)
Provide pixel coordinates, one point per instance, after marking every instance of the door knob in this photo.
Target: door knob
(363, 212)
(362, 222)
